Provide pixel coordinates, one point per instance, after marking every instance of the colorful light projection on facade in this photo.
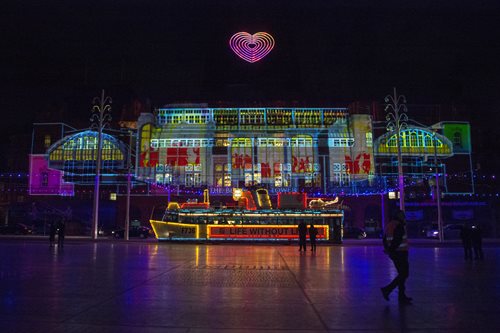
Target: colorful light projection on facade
(46, 181)
(81, 148)
(302, 154)
(415, 141)
(228, 147)
(459, 135)
(251, 48)
(247, 118)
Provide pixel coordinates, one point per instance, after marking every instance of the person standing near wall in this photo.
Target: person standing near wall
(302, 235)
(60, 233)
(466, 235)
(52, 233)
(312, 236)
(396, 246)
(477, 242)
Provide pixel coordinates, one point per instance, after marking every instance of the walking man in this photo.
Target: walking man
(396, 246)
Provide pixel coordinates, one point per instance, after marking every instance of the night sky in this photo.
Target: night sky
(57, 55)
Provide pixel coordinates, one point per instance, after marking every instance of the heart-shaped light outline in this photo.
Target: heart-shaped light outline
(240, 44)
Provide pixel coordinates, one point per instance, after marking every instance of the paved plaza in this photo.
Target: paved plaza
(144, 286)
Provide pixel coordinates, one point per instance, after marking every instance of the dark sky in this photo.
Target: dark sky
(58, 55)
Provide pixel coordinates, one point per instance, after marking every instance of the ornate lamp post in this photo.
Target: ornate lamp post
(101, 115)
(396, 121)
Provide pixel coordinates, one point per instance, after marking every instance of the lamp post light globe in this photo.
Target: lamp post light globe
(396, 121)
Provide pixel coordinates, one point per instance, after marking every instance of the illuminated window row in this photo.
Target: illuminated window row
(257, 116)
(241, 142)
(414, 138)
(169, 143)
(252, 117)
(299, 141)
(188, 116)
(341, 142)
(308, 117)
(83, 142)
(341, 178)
(273, 142)
(304, 141)
(60, 154)
(222, 142)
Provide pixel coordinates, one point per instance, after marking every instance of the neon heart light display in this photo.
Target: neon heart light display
(251, 48)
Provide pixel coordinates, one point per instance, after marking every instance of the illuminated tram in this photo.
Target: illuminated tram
(198, 221)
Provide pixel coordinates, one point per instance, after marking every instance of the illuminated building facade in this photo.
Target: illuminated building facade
(181, 150)
(281, 149)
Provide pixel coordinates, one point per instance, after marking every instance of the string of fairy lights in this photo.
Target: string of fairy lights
(18, 183)
(448, 176)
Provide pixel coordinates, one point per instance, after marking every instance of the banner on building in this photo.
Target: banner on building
(459, 135)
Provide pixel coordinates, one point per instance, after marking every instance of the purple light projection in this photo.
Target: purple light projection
(251, 48)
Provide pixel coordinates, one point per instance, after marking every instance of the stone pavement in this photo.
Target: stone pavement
(118, 286)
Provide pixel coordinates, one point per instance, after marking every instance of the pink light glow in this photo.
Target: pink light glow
(251, 48)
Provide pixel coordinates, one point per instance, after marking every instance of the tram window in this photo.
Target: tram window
(170, 217)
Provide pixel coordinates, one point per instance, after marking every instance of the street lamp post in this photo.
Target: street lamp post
(129, 178)
(396, 121)
(101, 115)
(436, 175)
(438, 191)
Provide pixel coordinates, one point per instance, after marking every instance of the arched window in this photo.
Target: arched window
(413, 139)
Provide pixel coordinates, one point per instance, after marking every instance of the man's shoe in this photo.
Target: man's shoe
(385, 293)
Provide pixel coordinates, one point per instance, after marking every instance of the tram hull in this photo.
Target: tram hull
(165, 231)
